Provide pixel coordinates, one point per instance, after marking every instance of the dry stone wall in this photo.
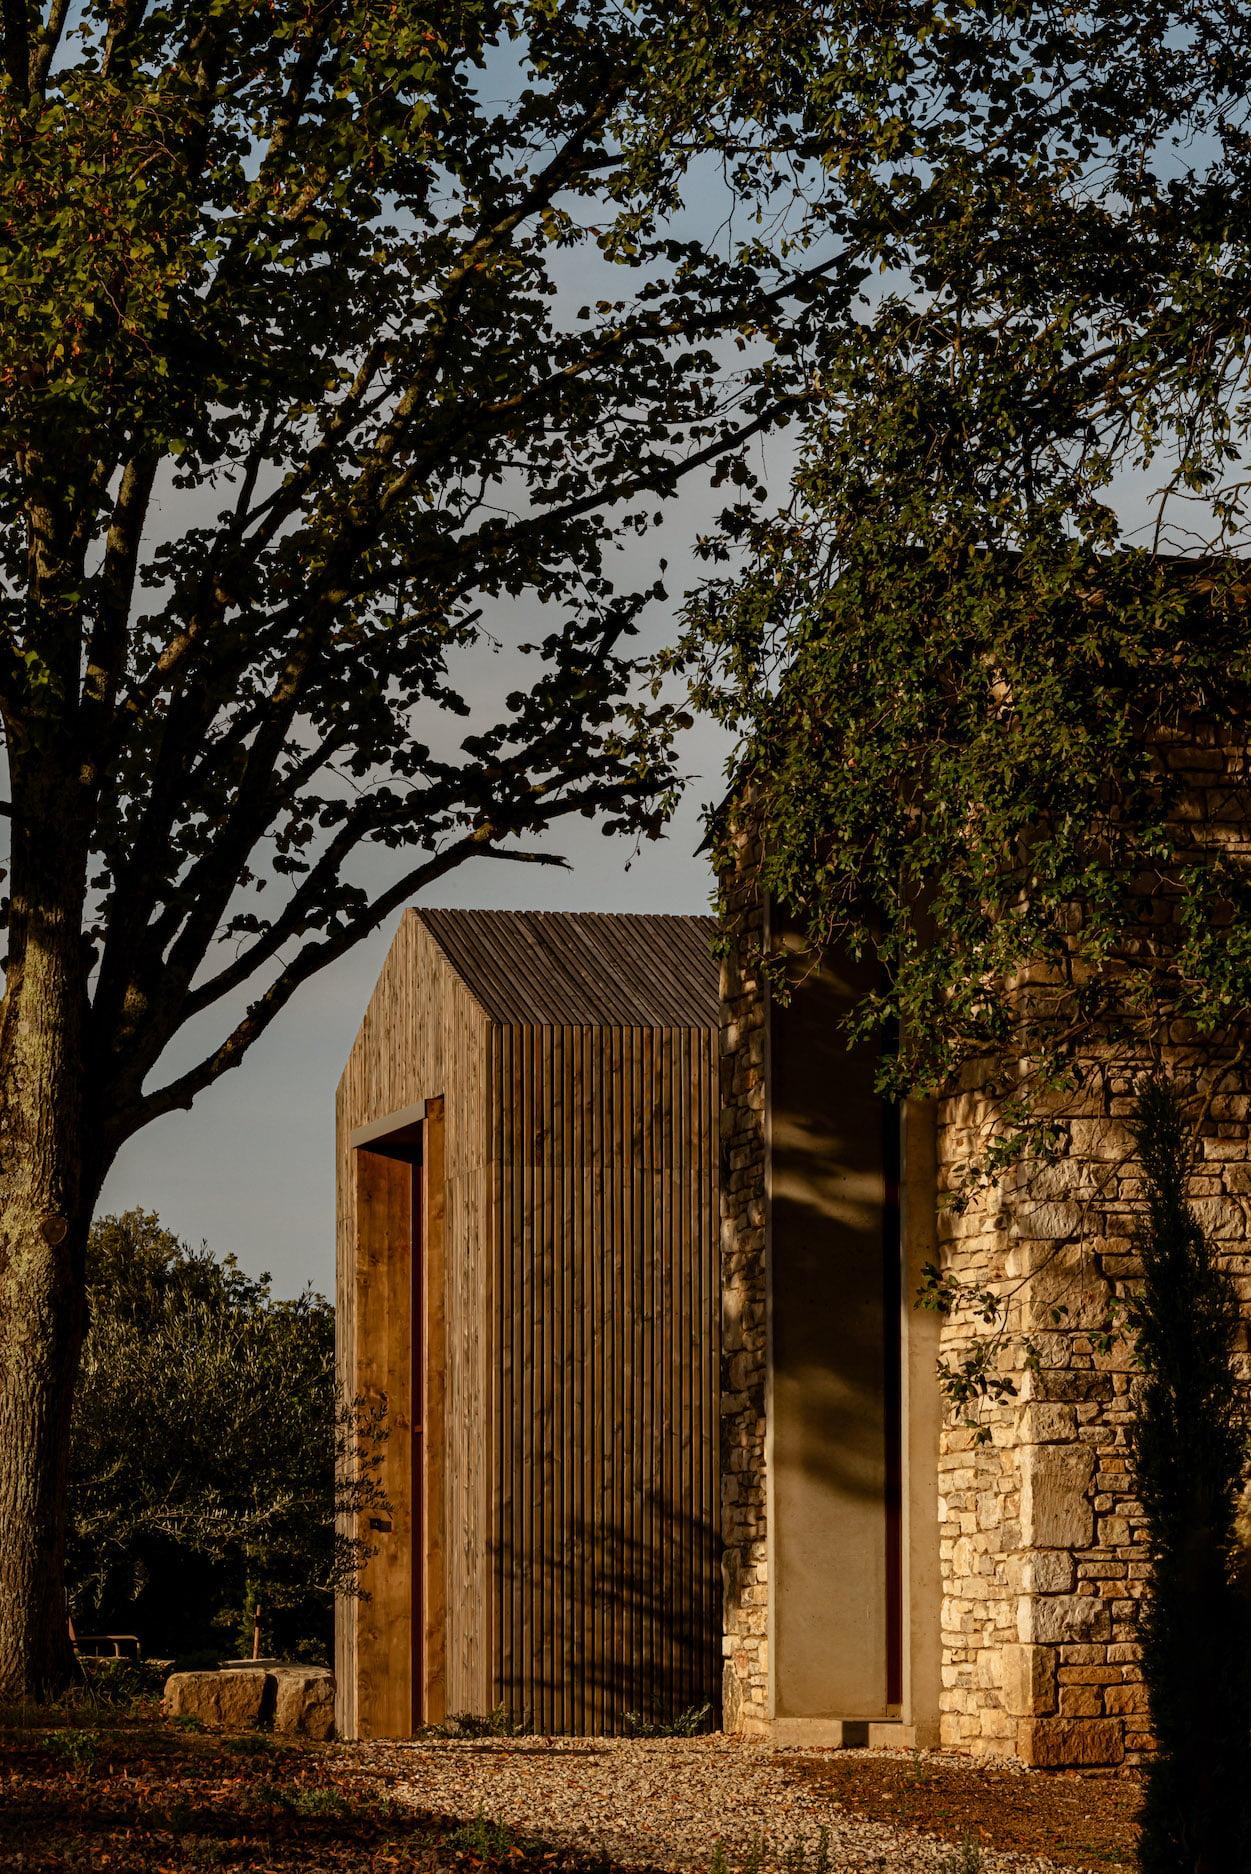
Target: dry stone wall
(1043, 1550)
(1042, 1553)
(744, 1326)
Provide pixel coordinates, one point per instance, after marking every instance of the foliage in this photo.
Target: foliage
(206, 1432)
(1191, 1450)
(1010, 577)
(296, 403)
(498, 1722)
(693, 1721)
(957, 660)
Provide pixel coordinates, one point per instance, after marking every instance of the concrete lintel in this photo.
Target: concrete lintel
(402, 1121)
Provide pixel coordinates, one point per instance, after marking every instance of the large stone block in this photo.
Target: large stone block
(296, 1699)
(1045, 1423)
(1051, 1619)
(1029, 1681)
(223, 1701)
(304, 1701)
(1056, 1511)
(1040, 1571)
(1069, 1743)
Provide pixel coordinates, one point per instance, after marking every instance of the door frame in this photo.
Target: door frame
(401, 1342)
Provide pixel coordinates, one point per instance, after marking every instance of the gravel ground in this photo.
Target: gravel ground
(667, 1803)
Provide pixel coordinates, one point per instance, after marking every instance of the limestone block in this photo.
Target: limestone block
(1041, 1571)
(1045, 1423)
(1069, 1743)
(1049, 1619)
(1129, 1700)
(1028, 1681)
(1081, 1701)
(223, 1701)
(304, 1701)
(1056, 1512)
(1097, 1138)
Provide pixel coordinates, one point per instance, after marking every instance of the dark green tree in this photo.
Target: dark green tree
(1012, 563)
(1190, 1455)
(297, 399)
(213, 1463)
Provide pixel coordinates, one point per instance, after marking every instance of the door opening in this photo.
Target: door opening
(401, 1356)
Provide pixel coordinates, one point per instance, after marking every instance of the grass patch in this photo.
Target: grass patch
(76, 1748)
(249, 1744)
(483, 1838)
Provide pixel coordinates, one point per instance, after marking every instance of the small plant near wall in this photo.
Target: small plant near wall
(692, 1722)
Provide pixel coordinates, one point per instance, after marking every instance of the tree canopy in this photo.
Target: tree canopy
(296, 399)
(1012, 561)
(329, 332)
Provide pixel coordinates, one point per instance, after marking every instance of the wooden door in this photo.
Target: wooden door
(385, 1269)
(401, 1341)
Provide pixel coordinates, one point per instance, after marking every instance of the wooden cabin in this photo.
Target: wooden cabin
(527, 1274)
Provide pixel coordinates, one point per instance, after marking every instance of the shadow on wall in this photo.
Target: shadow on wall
(610, 1622)
(832, 1289)
(834, 1451)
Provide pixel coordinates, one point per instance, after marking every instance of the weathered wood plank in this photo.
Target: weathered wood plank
(433, 1481)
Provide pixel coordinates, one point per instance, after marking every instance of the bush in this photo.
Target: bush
(206, 1431)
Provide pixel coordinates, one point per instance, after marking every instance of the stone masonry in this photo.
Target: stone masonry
(743, 1145)
(1042, 1555)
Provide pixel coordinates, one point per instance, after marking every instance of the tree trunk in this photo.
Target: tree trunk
(49, 1180)
(42, 1312)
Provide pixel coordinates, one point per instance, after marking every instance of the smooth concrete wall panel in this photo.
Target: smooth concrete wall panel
(829, 1296)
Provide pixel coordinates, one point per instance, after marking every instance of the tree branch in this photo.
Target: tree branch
(182, 1091)
(45, 48)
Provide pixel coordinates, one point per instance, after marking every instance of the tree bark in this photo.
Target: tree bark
(48, 1186)
(41, 1322)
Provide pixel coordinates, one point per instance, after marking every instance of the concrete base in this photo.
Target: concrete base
(850, 1734)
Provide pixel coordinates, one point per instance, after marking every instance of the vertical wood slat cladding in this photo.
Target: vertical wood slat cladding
(571, 1318)
(434, 1349)
(607, 1586)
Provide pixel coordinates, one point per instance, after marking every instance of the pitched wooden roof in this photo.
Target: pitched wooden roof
(583, 968)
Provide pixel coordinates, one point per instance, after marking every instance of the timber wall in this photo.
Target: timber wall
(424, 1036)
(606, 1569)
(574, 1344)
